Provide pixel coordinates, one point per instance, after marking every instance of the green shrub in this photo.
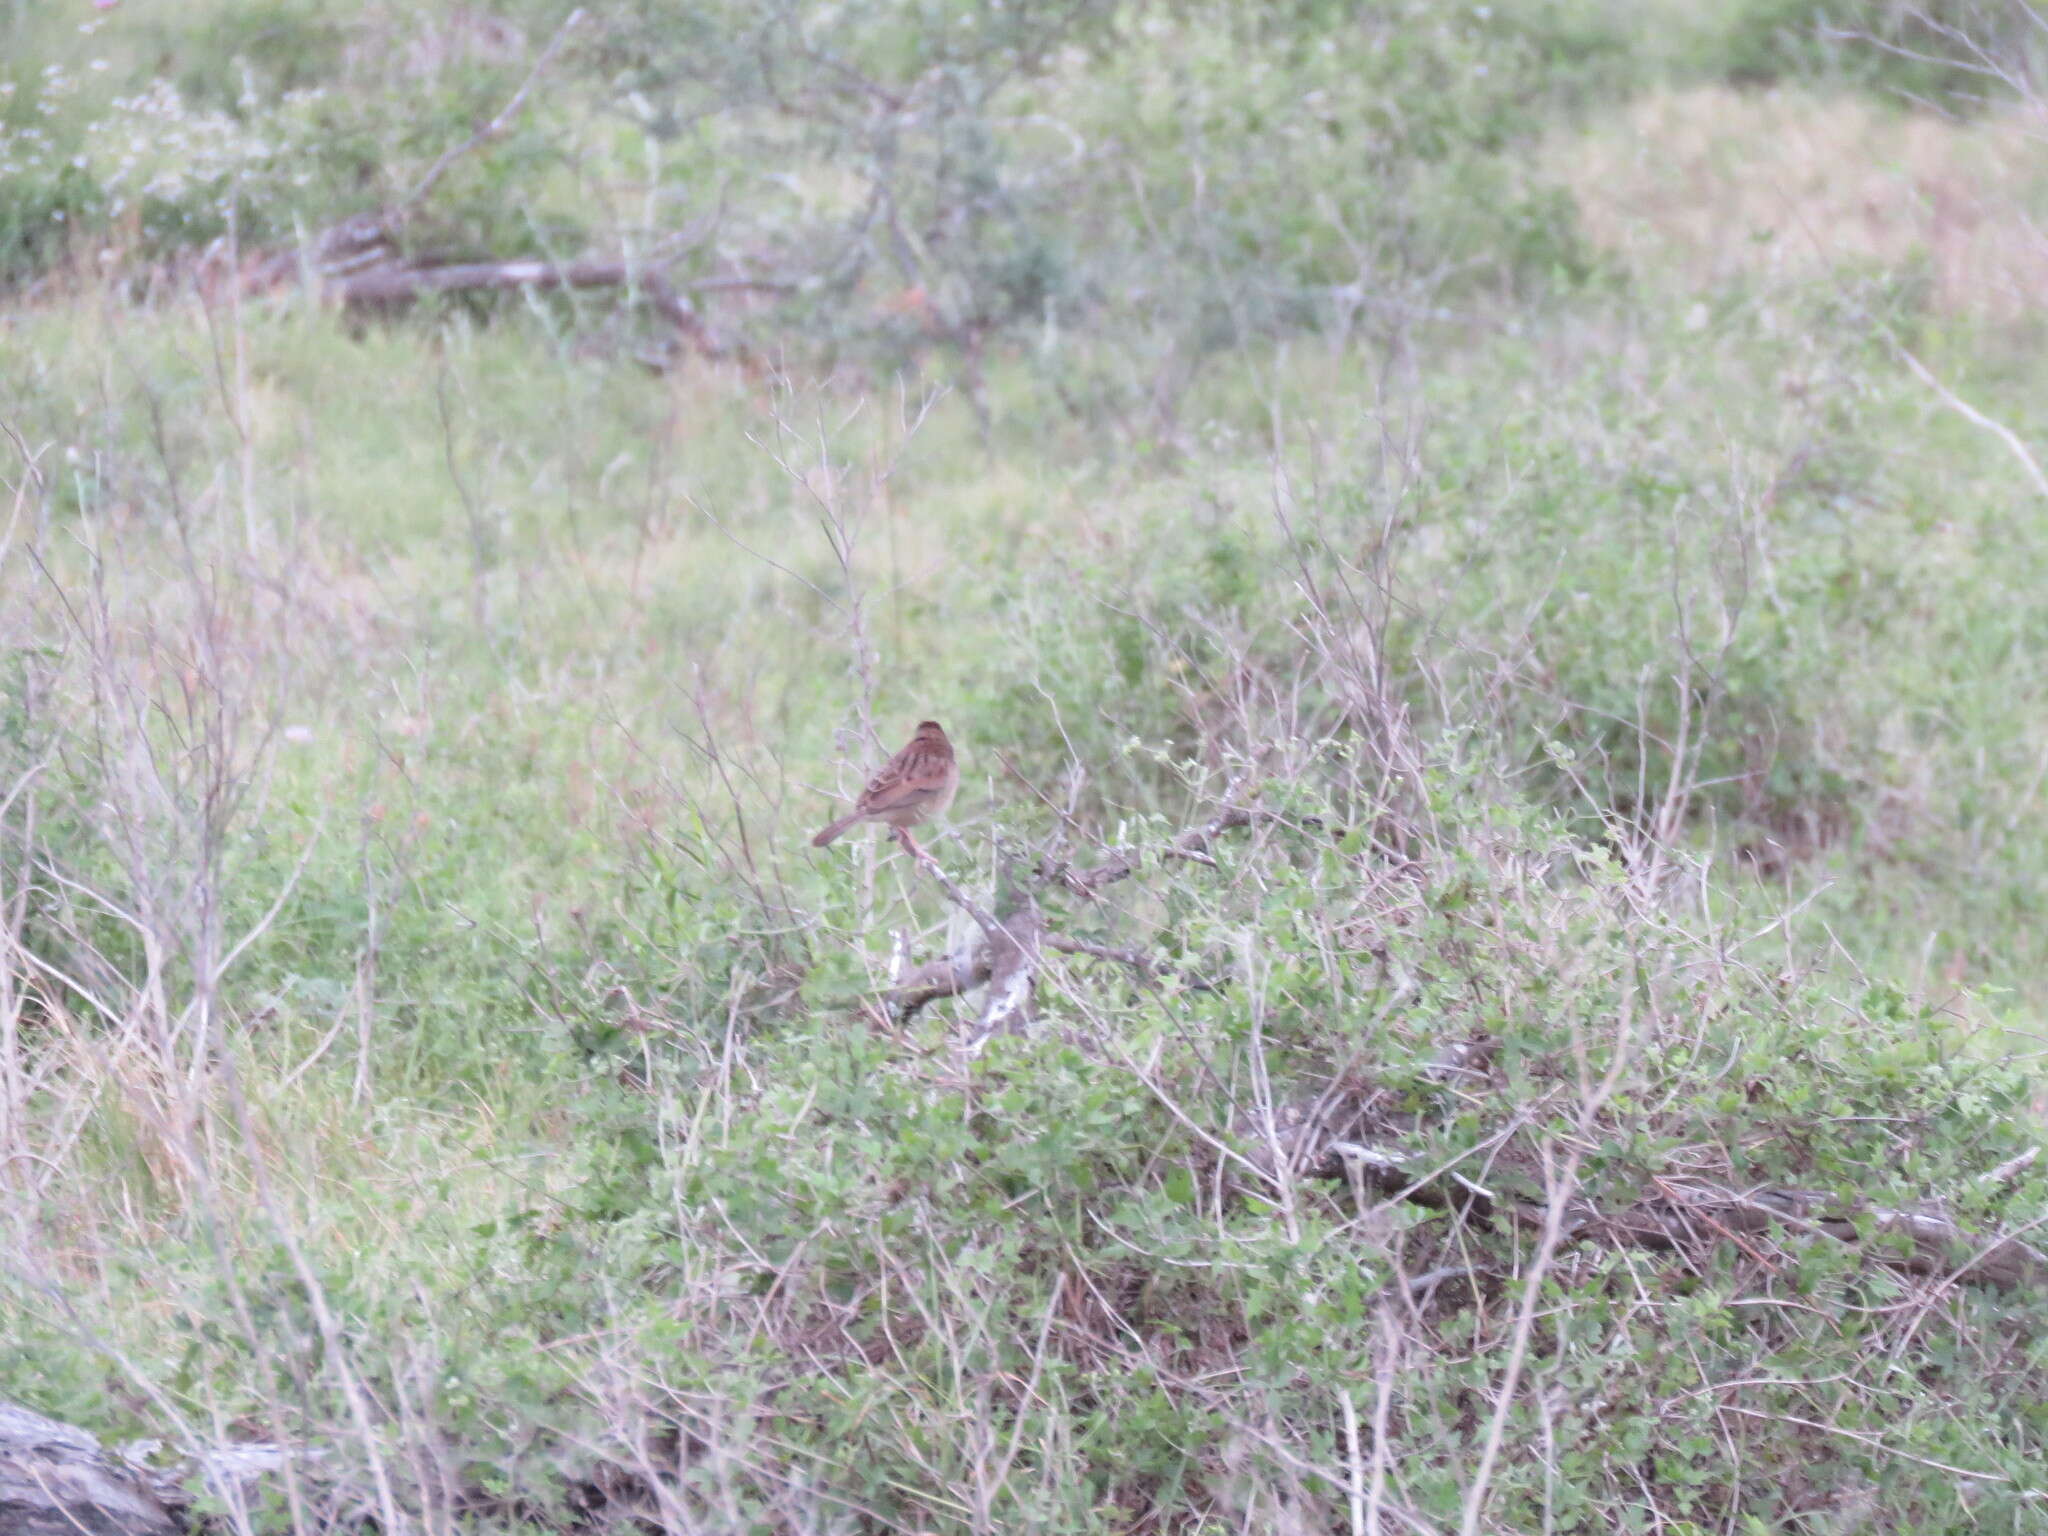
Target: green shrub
(1949, 52)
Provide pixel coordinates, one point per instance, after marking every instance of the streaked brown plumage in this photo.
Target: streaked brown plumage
(917, 782)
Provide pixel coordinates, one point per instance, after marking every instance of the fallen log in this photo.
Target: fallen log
(358, 262)
(392, 286)
(55, 1480)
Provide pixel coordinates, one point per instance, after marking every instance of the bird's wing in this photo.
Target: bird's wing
(910, 776)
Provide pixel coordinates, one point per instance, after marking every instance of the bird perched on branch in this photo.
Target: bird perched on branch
(917, 782)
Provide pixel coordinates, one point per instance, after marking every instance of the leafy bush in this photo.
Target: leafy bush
(1951, 52)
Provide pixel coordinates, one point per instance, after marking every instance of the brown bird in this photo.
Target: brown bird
(917, 782)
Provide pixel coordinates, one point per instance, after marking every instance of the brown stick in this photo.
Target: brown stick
(941, 978)
(1009, 958)
(1937, 1245)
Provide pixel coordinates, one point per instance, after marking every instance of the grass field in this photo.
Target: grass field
(1571, 470)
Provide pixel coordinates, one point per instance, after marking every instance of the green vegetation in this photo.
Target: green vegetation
(1562, 466)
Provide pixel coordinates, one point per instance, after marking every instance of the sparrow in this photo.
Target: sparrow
(917, 782)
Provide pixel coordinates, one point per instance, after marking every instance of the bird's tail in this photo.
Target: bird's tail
(834, 830)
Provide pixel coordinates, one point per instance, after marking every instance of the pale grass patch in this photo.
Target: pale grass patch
(1705, 186)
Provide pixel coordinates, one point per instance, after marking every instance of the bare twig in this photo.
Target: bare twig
(1007, 960)
(1869, 1440)
(1683, 1214)
(990, 928)
(1354, 1461)
(1977, 418)
(1191, 845)
(494, 129)
(940, 979)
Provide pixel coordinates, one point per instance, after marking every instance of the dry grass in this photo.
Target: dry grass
(1704, 186)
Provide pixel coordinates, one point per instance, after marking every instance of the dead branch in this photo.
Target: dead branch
(1358, 1131)
(1191, 845)
(1685, 1214)
(1007, 959)
(359, 265)
(371, 239)
(391, 286)
(54, 1478)
(1015, 935)
(940, 979)
(1147, 967)
(1013, 962)
(1144, 965)
(991, 929)
(1998, 429)
(944, 978)
(496, 128)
